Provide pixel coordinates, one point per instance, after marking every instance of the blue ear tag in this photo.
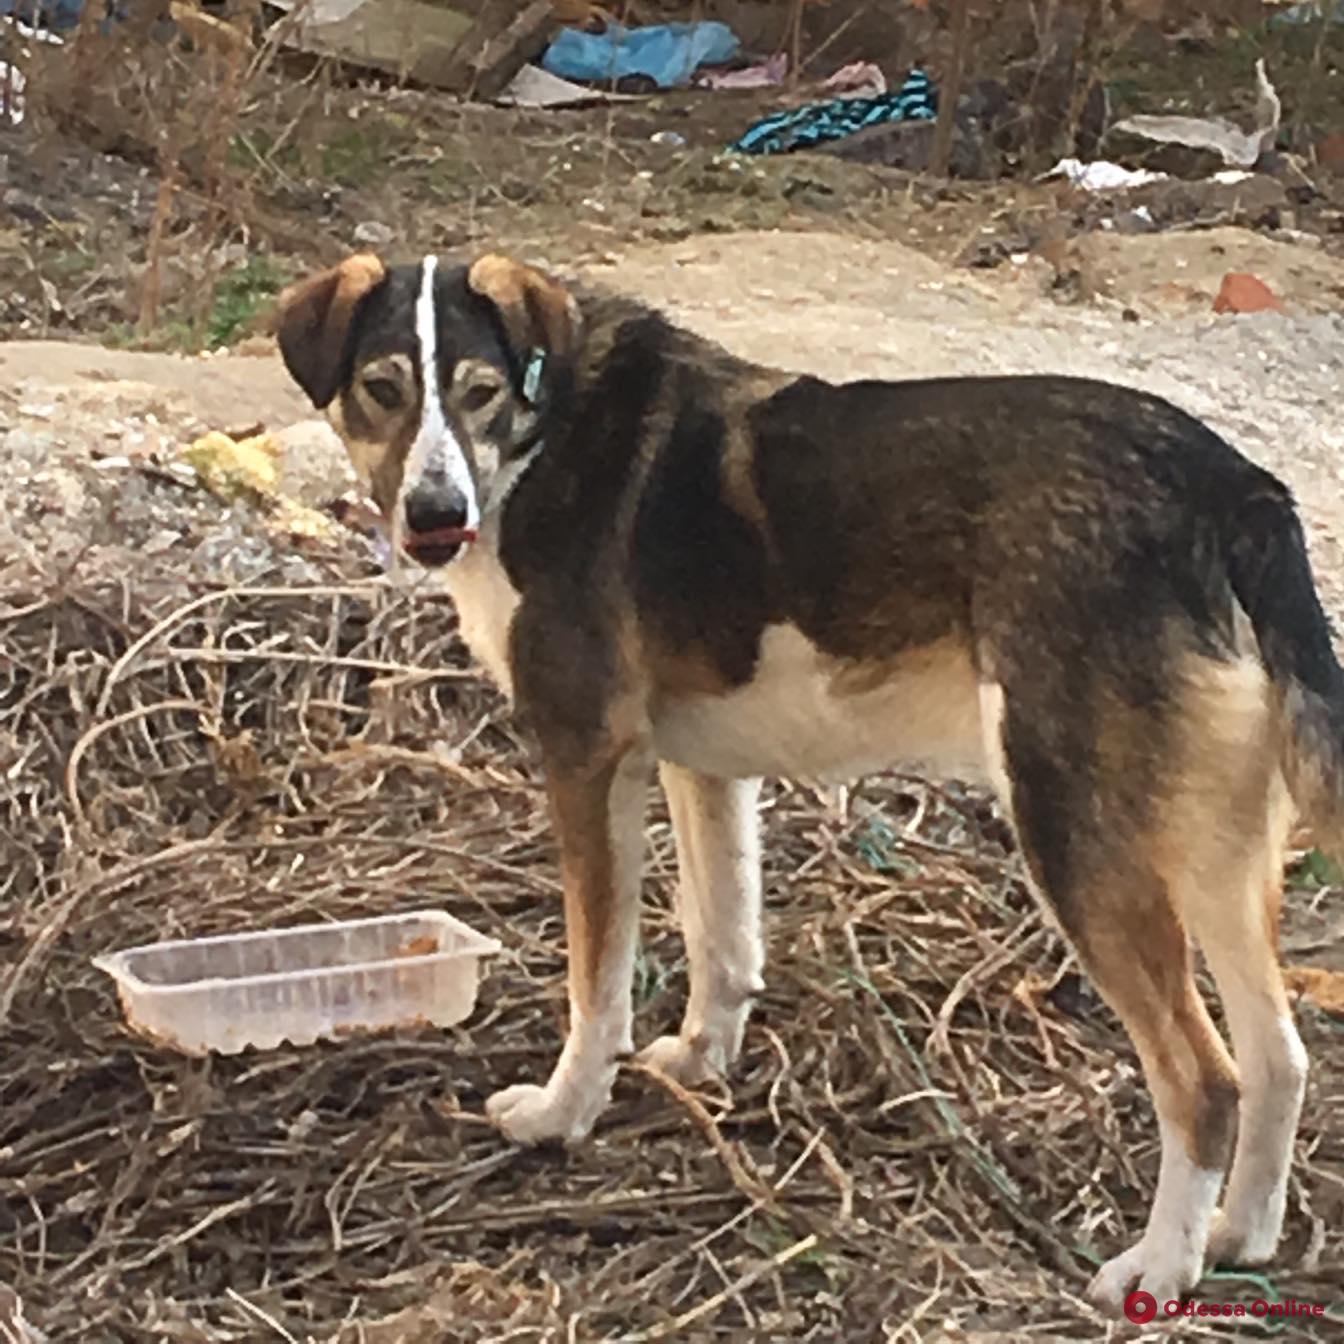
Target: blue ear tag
(532, 374)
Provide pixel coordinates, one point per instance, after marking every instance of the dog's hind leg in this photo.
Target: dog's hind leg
(1236, 926)
(1075, 820)
(598, 813)
(1230, 827)
(1140, 960)
(719, 902)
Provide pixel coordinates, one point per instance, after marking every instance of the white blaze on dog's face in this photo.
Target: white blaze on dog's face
(436, 378)
(437, 509)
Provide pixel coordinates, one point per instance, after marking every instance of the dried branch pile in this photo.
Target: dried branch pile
(931, 1128)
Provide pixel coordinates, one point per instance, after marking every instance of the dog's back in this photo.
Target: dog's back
(1049, 531)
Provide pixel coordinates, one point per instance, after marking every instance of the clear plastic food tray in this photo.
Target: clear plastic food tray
(300, 984)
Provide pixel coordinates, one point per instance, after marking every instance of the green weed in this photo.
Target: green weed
(240, 296)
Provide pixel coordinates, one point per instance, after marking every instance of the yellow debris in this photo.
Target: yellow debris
(249, 468)
(233, 467)
(298, 520)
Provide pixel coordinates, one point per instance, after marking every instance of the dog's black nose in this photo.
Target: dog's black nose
(437, 514)
(435, 507)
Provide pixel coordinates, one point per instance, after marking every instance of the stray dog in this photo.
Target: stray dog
(669, 557)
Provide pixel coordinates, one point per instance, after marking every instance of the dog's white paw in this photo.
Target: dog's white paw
(1235, 1243)
(687, 1061)
(1141, 1269)
(530, 1114)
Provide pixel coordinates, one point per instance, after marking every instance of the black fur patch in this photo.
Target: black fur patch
(701, 578)
(558, 538)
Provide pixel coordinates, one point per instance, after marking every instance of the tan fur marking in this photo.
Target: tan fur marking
(312, 318)
(1273, 909)
(1229, 887)
(485, 601)
(684, 672)
(337, 288)
(739, 453)
(536, 309)
(1137, 952)
(366, 455)
(1210, 821)
(718, 898)
(739, 489)
(599, 867)
(1214, 847)
(947, 660)
(805, 715)
(581, 822)
(599, 817)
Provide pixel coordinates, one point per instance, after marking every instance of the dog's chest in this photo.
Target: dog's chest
(803, 716)
(485, 602)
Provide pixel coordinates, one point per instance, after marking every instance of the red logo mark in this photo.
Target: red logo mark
(1141, 1307)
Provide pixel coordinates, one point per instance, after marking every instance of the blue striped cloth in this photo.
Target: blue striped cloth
(820, 123)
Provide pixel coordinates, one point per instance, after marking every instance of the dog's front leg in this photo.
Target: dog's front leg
(719, 900)
(598, 814)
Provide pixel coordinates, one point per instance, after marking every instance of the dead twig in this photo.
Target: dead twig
(950, 93)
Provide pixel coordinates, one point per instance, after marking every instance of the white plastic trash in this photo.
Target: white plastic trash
(311, 982)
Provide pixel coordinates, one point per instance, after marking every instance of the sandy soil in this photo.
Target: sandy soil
(842, 307)
(182, 390)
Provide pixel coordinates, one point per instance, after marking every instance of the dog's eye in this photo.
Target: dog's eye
(384, 391)
(478, 396)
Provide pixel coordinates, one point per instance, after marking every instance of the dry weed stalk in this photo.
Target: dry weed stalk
(151, 284)
(177, 101)
(950, 93)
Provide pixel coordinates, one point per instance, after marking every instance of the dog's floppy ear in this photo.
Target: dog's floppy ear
(538, 313)
(313, 323)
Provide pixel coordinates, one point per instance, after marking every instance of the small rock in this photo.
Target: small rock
(1138, 220)
(1242, 292)
(301, 1126)
(163, 539)
(373, 233)
(314, 465)
(252, 347)
(1300, 237)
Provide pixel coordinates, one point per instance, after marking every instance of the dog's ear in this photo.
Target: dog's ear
(314, 319)
(538, 312)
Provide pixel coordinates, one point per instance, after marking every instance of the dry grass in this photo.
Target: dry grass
(935, 1127)
(170, 89)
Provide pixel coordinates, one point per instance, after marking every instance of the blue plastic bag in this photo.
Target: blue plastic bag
(667, 53)
(60, 16)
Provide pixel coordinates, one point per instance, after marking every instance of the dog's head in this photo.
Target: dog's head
(435, 377)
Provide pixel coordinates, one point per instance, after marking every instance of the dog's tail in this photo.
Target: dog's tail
(1271, 576)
